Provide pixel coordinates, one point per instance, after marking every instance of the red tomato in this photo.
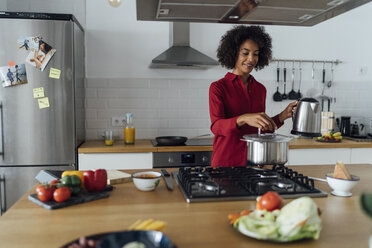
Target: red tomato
(61, 194)
(269, 201)
(54, 183)
(44, 192)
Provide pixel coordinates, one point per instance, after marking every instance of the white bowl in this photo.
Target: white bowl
(341, 187)
(146, 183)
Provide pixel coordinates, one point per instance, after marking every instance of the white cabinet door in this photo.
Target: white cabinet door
(318, 156)
(121, 161)
(361, 155)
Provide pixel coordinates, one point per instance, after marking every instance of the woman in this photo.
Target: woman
(237, 101)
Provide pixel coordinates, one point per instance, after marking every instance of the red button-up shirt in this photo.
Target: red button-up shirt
(228, 99)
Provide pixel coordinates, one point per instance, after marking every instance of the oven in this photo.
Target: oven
(183, 157)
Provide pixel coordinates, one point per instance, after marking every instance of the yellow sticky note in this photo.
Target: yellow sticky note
(38, 92)
(43, 102)
(54, 73)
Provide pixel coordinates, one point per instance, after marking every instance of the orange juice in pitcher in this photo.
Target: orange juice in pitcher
(129, 130)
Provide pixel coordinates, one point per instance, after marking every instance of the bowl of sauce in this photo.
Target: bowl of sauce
(146, 180)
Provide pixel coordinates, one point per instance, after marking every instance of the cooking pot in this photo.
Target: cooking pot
(307, 118)
(171, 140)
(266, 149)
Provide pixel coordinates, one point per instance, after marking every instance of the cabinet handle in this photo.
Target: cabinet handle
(2, 194)
(2, 132)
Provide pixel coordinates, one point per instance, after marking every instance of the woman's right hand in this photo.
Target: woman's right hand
(259, 120)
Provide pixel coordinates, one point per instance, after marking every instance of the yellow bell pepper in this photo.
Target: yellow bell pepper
(77, 173)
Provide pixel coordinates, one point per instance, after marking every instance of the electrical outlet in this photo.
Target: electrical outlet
(118, 121)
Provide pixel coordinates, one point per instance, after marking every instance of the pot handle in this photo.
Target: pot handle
(259, 131)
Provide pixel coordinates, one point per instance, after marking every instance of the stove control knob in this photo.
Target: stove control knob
(205, 159)
(170, 160)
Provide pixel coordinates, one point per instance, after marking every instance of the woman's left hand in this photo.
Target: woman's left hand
(288, 111)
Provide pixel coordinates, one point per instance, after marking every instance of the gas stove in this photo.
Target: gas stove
(201, 184)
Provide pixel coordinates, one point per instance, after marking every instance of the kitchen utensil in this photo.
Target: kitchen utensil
(345, 125)
(318, 179)
(312, 70)
(341, 187)
(307, 118)
(299, 95)
(292, 95)
(265, 149)
(354, 129)
(284, 95)
(277, 97)
(171, 140)
(146, 180)
(167, 179)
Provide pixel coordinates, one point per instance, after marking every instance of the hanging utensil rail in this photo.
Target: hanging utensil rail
(336, 62)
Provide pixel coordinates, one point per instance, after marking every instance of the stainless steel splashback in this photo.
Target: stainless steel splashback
(266, 12)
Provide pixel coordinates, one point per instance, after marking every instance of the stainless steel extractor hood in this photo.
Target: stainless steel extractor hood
(180, 55)
(265, 12)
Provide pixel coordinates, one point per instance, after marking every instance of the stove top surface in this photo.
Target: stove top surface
(190, 142)
(242, 183)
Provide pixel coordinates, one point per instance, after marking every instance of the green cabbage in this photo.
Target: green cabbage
(297, 220)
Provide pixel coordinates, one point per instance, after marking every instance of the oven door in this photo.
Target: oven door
(181, 159)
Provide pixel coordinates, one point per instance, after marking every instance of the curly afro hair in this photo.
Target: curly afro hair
(228, 50)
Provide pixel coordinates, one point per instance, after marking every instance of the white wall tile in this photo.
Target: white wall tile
(180, 107)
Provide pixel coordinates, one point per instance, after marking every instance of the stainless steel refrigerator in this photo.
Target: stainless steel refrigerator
(35, 134)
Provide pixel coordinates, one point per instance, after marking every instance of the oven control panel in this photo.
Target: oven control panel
(181, 159)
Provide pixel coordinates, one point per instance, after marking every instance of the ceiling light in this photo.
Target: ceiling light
(115, 3)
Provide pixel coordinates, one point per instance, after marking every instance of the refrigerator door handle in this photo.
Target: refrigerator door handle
(2, 131)
(2, 194)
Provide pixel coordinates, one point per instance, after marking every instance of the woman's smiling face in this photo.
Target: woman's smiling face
(247, 58)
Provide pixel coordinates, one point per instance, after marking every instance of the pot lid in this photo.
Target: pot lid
(267, 137)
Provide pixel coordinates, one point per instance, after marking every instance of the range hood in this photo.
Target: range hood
(264, 12)
(180, 55)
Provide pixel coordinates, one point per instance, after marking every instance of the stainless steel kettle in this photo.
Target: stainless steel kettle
(307, 118)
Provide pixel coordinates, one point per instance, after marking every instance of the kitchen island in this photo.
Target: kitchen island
(26, 224)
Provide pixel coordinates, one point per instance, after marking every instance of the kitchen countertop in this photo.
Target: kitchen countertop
(204, 225)
(97, 146)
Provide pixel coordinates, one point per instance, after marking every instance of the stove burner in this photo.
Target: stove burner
(243, 183)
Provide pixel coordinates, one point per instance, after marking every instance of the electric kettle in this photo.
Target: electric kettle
(307, 118)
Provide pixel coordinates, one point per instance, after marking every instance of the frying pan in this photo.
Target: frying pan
(171, 140)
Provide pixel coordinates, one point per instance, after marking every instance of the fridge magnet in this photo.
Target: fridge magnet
(38, 92)
(54, 73)
(14, 75)
(29, 42)
(43, 102)
(41, 56)
(11, 63)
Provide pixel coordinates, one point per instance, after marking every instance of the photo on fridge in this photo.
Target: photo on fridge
(28, 43)
(10, 76)
(41, 56)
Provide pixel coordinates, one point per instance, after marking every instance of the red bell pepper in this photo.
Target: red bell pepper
(95, 180)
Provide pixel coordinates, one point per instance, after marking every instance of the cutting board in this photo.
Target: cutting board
(115, 177)
(82, 197)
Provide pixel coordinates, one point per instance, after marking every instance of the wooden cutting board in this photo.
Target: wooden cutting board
(115, 177)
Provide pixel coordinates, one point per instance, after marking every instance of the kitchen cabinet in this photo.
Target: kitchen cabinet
(361, 155)
(122, 161)
(318, 156)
